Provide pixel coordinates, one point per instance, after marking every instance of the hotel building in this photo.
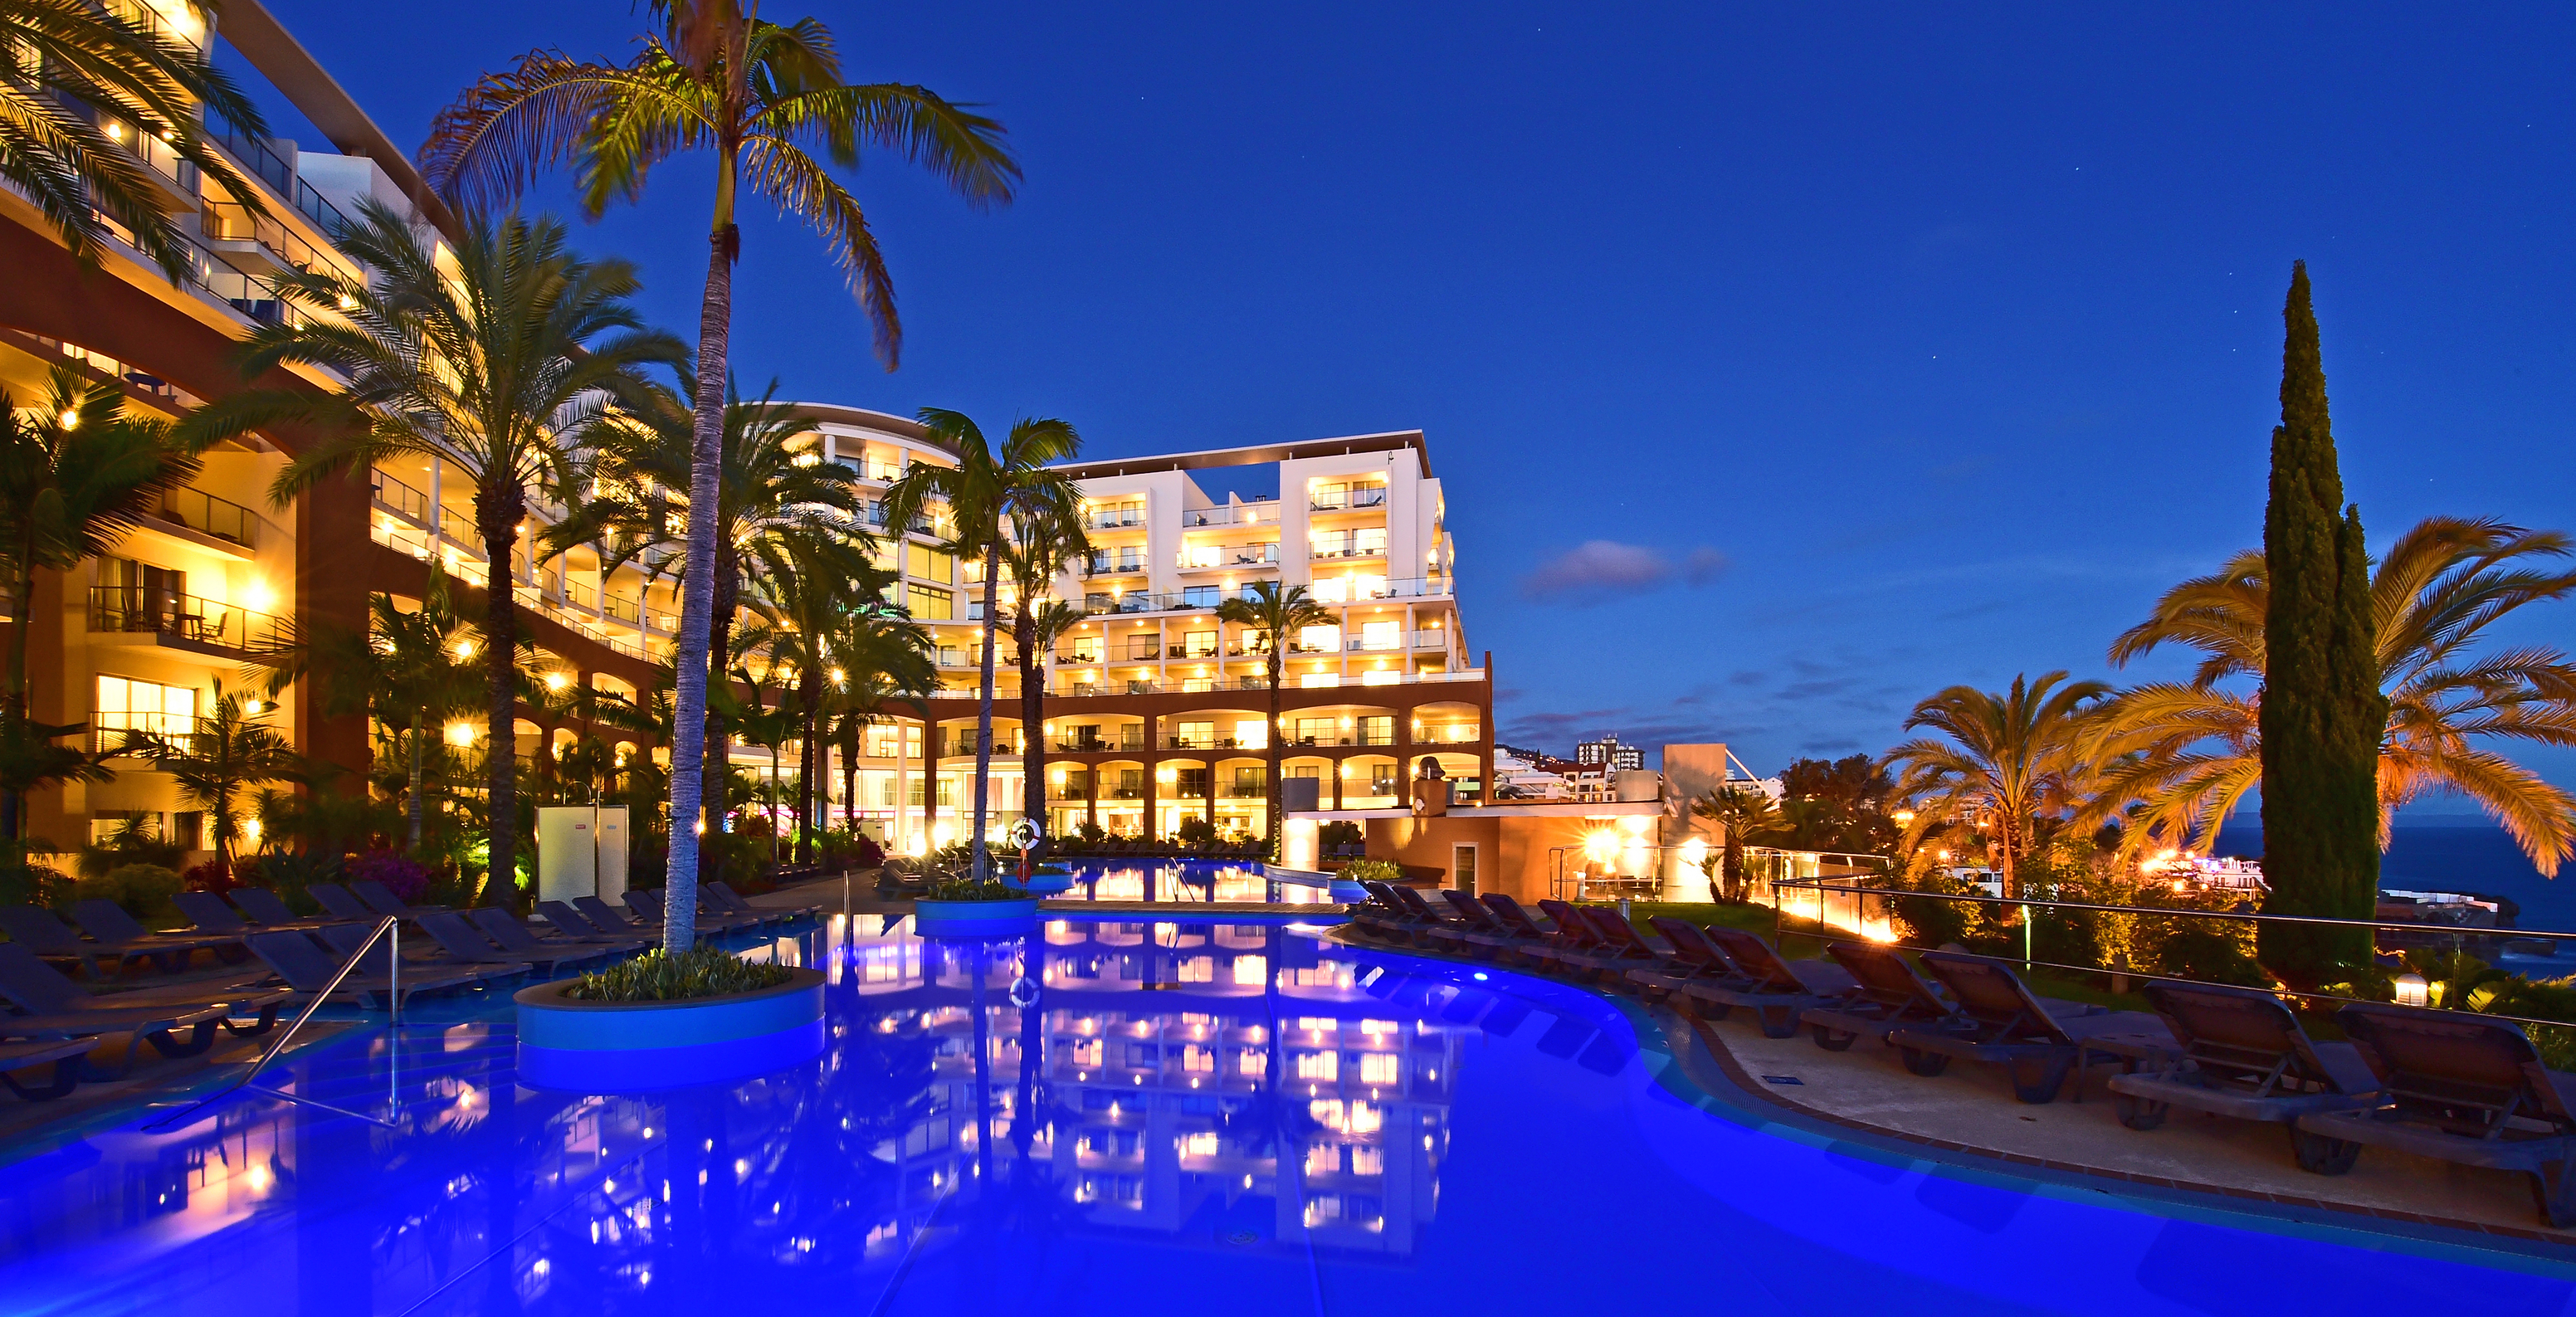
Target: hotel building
(1155, 710)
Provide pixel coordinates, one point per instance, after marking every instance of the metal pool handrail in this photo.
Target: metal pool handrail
(389, 927)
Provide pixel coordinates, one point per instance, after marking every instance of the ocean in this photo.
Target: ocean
(2470, 855)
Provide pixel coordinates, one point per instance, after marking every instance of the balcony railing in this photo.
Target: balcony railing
(140, 609)
(1114, 518)
(1400, 640)
(1132, 740)
(398, 496)
(1216, 557)
(206, 514)
(114, 732)
(1340, 500)
(622, 608)
(1320, 551)
(1247, 514)
(1448, 734)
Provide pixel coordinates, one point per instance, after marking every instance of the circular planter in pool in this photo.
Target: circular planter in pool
(975, 918)
(1044, 880)
(640, 1046)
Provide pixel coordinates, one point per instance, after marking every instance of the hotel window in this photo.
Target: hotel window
(1381, 635)
(1366, 1160)
(1251, 1061)
(1086, 1052)
(1382, 780)
(1202, 1144)
(928, 564)
(1332, 590)
(1319, 639)
(1316, 731)
(1377, 729)
(1369, 542)
(1379, 1068)
(1196, 736)
(1319, 1065)
(1249, 735)
(1202, 555)
(1199, 644)
(1319, 680)
(928, 605)
(142, 706)
(1200, 596)
(1323, 1158)
(1368, 587)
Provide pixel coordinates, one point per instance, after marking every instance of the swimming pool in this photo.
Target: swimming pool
(1183, 881)
(1128, 1117)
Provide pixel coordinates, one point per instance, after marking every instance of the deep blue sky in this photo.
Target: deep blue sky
(1954, 337)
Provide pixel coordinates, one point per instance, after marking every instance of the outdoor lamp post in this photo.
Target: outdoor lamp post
(2412, 990)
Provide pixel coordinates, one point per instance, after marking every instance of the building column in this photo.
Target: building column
(1152, 767)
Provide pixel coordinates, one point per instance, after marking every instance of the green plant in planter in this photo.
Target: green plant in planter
(659, 976)
(1373, 871)
(967, 889)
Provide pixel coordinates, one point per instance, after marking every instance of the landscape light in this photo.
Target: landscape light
(2412, 990)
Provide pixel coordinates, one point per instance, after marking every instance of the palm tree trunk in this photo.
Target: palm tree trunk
(984, 707)
(1032, 723)
(808, 762)
(697, 581)
(719, 737)
(499, 508)
(1278, 844)
(13, 704)
(412, 804)
(929, 779)
(850, 773)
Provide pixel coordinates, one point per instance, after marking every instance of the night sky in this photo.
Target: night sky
(1783, 364)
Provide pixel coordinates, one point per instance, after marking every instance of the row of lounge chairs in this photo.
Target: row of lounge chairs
(58, 1023)
(2448, 1085)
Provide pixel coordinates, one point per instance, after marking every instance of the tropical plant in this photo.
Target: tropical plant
(230, 753)
(487, 357)
(876, 659)
(1743, 812)
(1035, 553)
(993, 496)
(760, 95)
(2005, 761)
(408, 668)
(801, 609)
(684, 976)
(2196, 745)
(87, 94)
(76, 473)
(1278, 613)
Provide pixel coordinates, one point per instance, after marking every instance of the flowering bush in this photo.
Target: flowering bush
(408, 879)
(215, 876)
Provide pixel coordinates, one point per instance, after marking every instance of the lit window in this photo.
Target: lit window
(1380, 1068)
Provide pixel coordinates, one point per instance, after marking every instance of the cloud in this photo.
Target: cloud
(1597, 571)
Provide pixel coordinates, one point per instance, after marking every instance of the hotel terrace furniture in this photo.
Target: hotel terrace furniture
(215, 918)
(1618, 947)
(1775, 990)
(56, 1008)
(107, 922)
(609, 919)
(647, 905)
(269, 910)
(2007, 1024)
(66, 1054)
(517, 939)
(1528, 934)
(2244, 1056)
(1382, 915)
(722, 895)
(2465, 1089)
(1692, 959)
(307, 969)
(43, 932)
(1572, 942)
(1891, 995)
(337, 900)
(574, 925)
(1487, 934)
(381, 900)
(348, 939)
(1434, 927)
(466, 944)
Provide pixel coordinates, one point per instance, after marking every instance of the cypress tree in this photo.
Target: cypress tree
(2322, 712)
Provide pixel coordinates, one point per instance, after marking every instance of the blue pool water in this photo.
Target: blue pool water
(1127, 1118)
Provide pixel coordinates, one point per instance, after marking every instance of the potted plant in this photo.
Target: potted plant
(966, 908)
(663, 1021)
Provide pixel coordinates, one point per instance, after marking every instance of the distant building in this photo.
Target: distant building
(1607, 754)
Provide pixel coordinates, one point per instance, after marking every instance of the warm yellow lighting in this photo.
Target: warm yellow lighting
(2412, 990)
(460, 733)
(556, 681)
(115, 131)
(258, 1177)
(251, 707)
(839, 676)
(465, 649)
(348, 303)
(69, 420)
(260, 597)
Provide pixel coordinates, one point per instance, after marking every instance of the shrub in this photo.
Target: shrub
(1373, 871)
(1340, 832)
(967, 889)
(2200, 949)
(1924, 921)
(408, 879)
(659, 976)
(216, 876)
(1196, 832)
(1090, 833)
(289, 873)
(141, 890)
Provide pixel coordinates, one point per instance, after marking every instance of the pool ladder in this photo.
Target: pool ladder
(389, 930)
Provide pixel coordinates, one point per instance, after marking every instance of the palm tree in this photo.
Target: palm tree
(85, 93)
(2009, 760)
(775, 502)
(1035, 553)
(993, 496)
(876, 659)
(488, 368)
(2196, 746)
(76, 474)
(406, 668)
(229, 753)
(760, 95)
(1742, 812)
(826, 580)
(1277, 613)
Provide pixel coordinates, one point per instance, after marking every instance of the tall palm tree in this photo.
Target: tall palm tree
(489, 369)
(76, 473)
(802, 608)
(1277, 613)
(775, 501)
(405, 667)
(2195, 747)
(760, 95)
(230, 752)
(876, 658)
(85, 93)
(990, 493)
(2009, 759)
(1035, 553)
(1742, 811)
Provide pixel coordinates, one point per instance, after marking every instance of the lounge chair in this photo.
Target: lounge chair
(519, 940)
(574, 927)
(68, 1056)
(336, 901)
(1382, 915)
(608, 918)
(1484, 934)
(212, 914)
(1775, 990)
(381, 900)
(481, 958)
(1571, 944)
(647, 903)
(1528, 935)
(2245, 1056)
(1618, 947)
(466, 944)
(1890, 995)
(2466, 1089)
(268, 910)
(1431, 926)
(107, 921)
(57, 1008)
(723, 897)
(2002, 1022)
(307, 969)
(1690, 957)
(42, 931)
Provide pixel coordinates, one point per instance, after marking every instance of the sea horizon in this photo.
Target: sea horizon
(2449, 853)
